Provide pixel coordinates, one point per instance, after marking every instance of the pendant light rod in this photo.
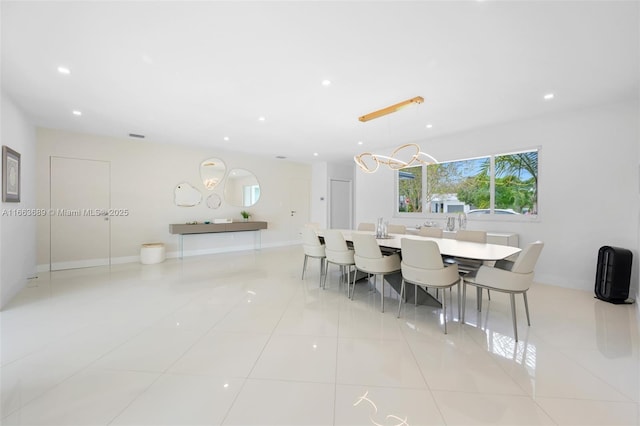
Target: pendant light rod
(390, 109)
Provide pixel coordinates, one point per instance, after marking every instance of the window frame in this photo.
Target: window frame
(490, 217)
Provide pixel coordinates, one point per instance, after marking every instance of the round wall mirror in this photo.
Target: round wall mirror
(185, 195)
(212, 172)
(214, 201)
(241, 188)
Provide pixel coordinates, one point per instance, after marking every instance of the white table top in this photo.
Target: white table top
(448, 247)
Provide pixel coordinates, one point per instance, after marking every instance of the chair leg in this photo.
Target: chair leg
(322, 270)
(444, 309)
(489, 294)
(324, 282)
(352, 290)
(348, 279)
(382, 295)
(513, 315)
(459, 282)
(304, 265)
(479, 296)
(464, 300)
(415, 296)
(526, 308)
(400, 299)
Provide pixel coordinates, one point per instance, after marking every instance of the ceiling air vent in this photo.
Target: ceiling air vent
(135, 135)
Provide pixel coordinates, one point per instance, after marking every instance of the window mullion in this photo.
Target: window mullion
(492, 183)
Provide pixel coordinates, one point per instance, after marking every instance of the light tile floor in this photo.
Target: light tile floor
(240, 339)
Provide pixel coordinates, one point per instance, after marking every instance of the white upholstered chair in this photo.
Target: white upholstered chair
(312, 248)
(338, 253)
(396, 229)
(369, 259)
(517, 280)
(473, 236)
(422, 266)
(366, 226)
(429, 231)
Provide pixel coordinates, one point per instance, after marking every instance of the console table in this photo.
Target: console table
(183, 229)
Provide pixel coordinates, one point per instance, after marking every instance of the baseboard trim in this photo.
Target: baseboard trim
(170, 255)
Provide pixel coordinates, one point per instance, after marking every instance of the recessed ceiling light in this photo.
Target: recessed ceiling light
(360, 142)
(549, 96)
(261, 118)
(326, 83)
(315, 154)
(76, 112)
(226, 138)
(64, 70)
(429, 126)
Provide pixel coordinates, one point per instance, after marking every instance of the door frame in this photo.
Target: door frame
(350, 201)
(78, 263)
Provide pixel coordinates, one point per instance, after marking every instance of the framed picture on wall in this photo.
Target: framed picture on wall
(10, 175)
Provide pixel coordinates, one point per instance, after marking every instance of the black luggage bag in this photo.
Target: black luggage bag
(613, 275)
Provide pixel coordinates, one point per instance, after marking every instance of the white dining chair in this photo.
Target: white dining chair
(430, 231)
(471, 235)
(517, 280)
(338, 253)
(369, 259)
(312, 247)
(366, 226)
(422, 266)
(396, 229)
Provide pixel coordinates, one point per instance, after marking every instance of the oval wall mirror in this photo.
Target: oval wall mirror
(241, 188)
(212, 172)
(185, 195)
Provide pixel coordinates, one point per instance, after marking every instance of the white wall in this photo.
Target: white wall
(319, 191)
(18, 233)
(588, 171)
(143, 177)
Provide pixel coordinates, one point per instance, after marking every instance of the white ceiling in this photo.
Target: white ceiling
(195, 72)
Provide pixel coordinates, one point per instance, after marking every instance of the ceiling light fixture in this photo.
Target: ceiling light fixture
(64, 70)
(549, 96)
(390, 109)
(76, 112)
(326, 83)
(429, 126)
(370, 162)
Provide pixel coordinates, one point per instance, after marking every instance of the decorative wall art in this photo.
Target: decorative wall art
(10, 175)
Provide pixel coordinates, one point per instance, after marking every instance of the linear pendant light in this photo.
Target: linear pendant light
(390, 109)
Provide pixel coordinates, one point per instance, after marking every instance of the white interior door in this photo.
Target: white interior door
(80, 201)
(299, 202)
(340, 205)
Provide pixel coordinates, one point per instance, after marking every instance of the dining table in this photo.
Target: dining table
(447, 246)
(484, 252)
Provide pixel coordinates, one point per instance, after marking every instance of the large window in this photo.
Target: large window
(504, 184)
